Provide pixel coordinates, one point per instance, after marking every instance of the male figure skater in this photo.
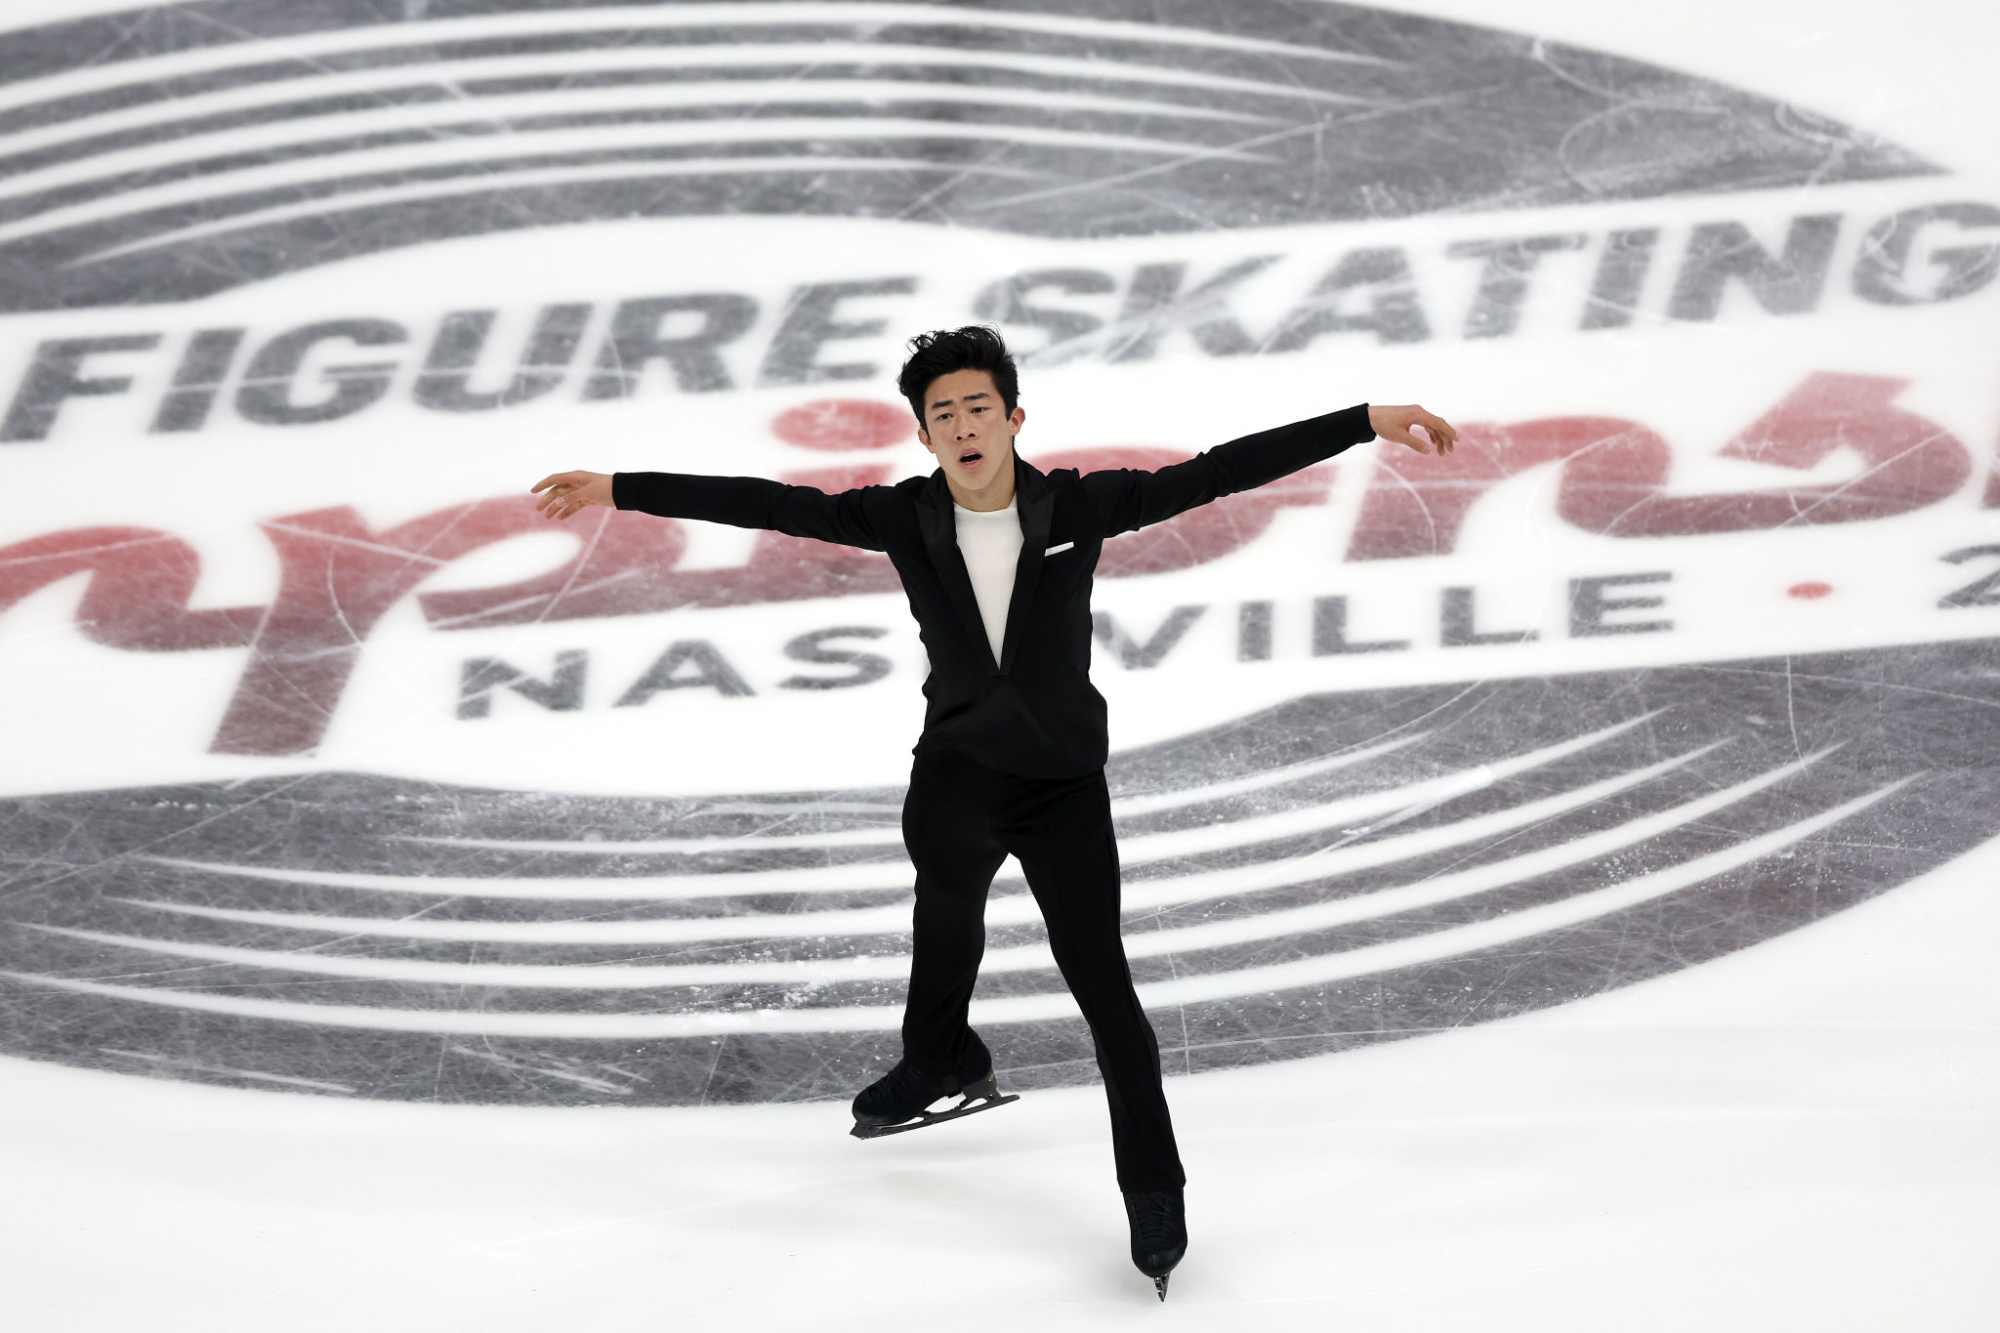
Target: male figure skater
(997, 558)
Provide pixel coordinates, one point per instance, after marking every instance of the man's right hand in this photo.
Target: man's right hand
(571, 492)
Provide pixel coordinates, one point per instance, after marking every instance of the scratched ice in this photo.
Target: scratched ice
(1555, 871)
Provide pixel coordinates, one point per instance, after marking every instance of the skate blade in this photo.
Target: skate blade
(1160, 1284)
(969, 1106)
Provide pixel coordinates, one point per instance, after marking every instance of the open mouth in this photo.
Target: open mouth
(970, 458)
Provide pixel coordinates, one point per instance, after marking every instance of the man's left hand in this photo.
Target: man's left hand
(1400, 424)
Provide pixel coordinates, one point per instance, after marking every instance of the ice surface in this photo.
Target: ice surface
(1560, 877)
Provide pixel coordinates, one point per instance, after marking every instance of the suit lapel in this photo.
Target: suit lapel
(1036, 504)
(940, 529)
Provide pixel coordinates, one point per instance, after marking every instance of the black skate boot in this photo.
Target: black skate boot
(900, 1100)
(1159, 1232)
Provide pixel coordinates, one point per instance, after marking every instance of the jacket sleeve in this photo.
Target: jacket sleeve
(1124, 500)
(847, 518)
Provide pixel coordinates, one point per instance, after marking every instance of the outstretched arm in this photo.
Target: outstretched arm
(1126, 500)
(744, 502)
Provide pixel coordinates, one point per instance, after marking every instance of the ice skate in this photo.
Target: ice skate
(1159, 1232)
(901, 1100)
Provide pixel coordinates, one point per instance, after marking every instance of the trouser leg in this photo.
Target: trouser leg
(1067, 849)
(947, 828)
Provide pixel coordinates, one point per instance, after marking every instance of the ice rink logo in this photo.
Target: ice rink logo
(221, 143)
(1546, 753)
(1344, 869)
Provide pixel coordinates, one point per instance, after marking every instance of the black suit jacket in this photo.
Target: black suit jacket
(1034, 712)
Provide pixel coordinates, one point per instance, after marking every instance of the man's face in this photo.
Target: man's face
(969, 430)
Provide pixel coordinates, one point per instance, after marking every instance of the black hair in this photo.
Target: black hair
(942, 351)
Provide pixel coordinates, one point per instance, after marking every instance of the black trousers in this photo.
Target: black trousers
(960, 821)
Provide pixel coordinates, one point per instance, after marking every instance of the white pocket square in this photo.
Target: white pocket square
(1058, 550)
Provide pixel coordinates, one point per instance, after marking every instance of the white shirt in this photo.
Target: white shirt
(991, 545)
